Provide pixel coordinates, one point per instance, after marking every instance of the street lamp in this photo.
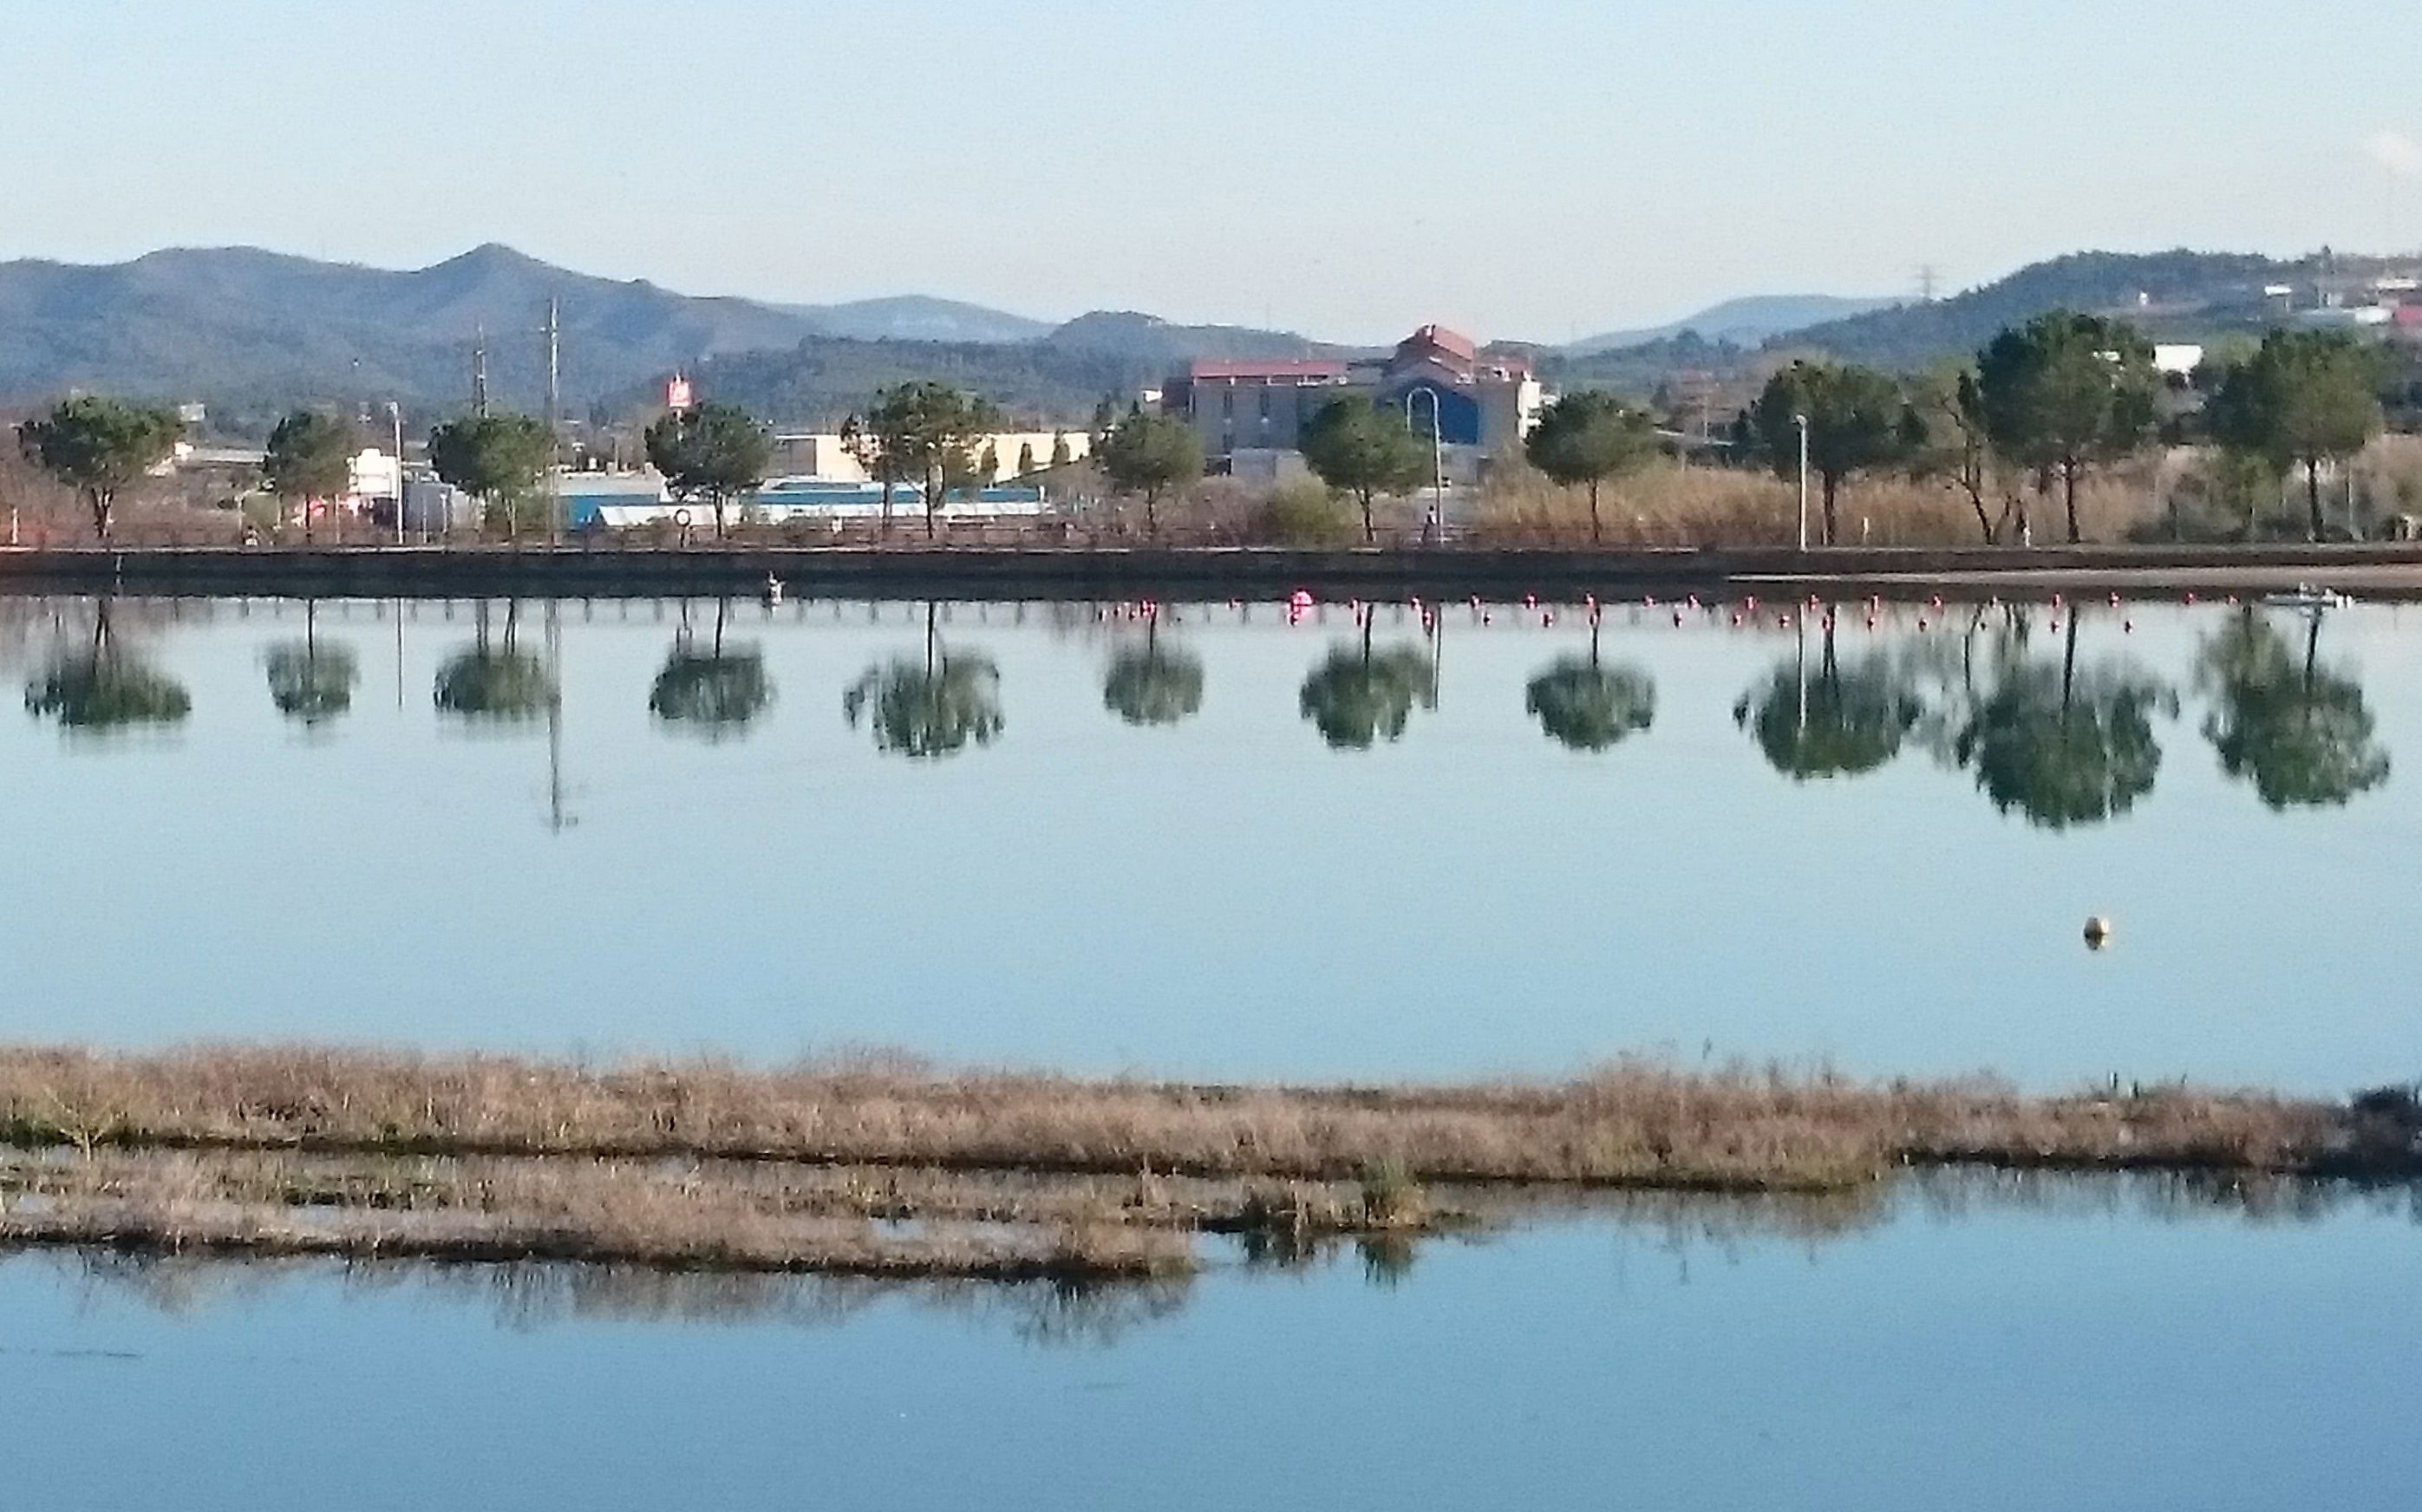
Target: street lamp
(1802, 420)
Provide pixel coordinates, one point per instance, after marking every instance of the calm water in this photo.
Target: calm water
(1275, 856)
(2092, 1347)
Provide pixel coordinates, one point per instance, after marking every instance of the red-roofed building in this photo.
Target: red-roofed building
(1483, 404)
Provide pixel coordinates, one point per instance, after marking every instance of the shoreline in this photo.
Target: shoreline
(2386, 569)
(875, 1169)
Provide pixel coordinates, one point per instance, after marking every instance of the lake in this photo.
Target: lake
(1263, 854)
(1974, 1343)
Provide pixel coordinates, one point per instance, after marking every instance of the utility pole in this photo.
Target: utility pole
(479, 372)
(553, 414)
(1929, 282)
(395, 412)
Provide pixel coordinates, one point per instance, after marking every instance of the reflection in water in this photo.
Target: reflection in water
(2062, 746)
(500, 684)
(930, 710)
(1355, 698)
(105, 686)
(2299, 731)
(1846, 721)
(716, 691)
(1154, 685)
(1585, 706)
(308, 681)
(529, 1296)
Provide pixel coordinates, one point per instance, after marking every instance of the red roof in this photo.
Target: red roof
(1437, 338)
(1290, 371)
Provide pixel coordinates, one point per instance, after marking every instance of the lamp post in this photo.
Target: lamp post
(1438, 456)
(1802, 420)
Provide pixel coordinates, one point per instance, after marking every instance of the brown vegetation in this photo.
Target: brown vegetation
(884, 1168)
(1633, 1123)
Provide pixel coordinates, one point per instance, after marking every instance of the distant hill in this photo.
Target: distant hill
(1743, 323)
(1154, 342)
(917, 317)
(2168, 293)
(242, 328)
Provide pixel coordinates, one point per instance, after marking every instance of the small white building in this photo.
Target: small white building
(822, 456)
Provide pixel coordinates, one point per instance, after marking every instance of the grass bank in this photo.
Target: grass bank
(1632, 1123)
(889, 1169)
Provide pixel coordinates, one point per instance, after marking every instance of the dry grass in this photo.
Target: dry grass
(1633, 1123)
(1676, 504)
(660, 1216)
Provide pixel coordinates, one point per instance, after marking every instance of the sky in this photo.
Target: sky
(1519, 170)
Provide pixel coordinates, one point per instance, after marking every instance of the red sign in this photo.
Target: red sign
(678, 394)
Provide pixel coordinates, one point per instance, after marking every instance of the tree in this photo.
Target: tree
(714, 452)
(2066, 749)
(2065, 393)
(922, 430)
(99, 447)
(716, 691)
(1588, 439)
(104, 687)
(1857, 420)
(2239, 419)
(1947, 441)
(930, 710)
(1355, 699)
(2303, 399)
(2300, 732)
(307, 682)
(311, 456)
(1584, 706)
(1148, 685)
(1845, 723)
(494, 684)
(1061, 456)
(497, 459)
(1150, 454)
(1358, 449)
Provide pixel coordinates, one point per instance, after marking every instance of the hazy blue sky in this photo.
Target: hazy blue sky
(1350, 168)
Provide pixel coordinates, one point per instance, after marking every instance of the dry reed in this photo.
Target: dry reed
(1633, 1123)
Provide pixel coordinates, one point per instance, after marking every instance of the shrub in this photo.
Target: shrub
(1304, 515)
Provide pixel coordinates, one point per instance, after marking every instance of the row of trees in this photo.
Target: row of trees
(2045, 404)
(2062, 743)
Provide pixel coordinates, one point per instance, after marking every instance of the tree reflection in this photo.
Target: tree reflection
(1149, 685)
(1355, 698)
(1585, 706)
(930, 710)
(308, 681)
(499, 684)
(1844, 722)
(2065, 748)
(716, 691)
(2299, 732)
(105, 686)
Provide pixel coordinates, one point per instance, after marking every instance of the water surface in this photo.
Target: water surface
(2090, 1344)
(1224, 840)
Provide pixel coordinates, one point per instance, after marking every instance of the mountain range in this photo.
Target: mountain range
(1743, 322)
(252, 332)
